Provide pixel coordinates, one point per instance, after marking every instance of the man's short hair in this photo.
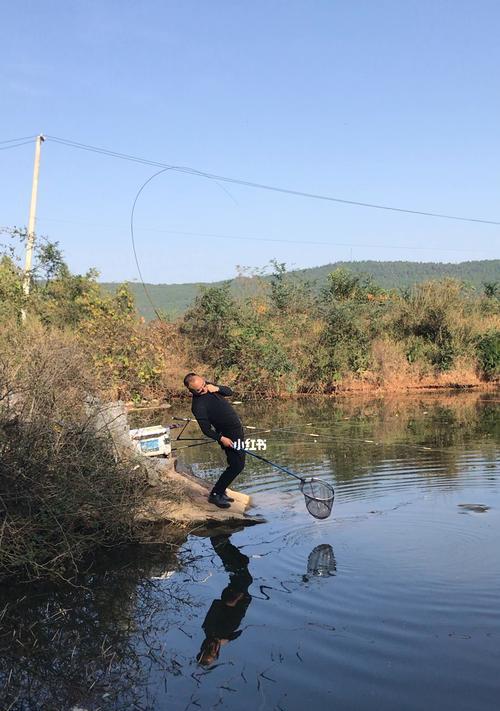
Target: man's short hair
(229, 595)
(209, 651)
(189, 378)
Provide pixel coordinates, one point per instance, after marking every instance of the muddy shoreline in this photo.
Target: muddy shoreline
(344, 392)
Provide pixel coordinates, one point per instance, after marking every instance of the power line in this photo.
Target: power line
(292, 241)
(263, 239)
(244, 183)
(356, 203)
(16, 145)
(105, 151)
(14, 140)
(264, 186)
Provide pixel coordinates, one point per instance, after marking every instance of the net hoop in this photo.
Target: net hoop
(319, 497)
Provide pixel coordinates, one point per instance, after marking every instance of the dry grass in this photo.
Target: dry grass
(62, 493)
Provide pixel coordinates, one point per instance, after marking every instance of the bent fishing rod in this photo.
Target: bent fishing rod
(318, 495)
(198, 440)
(242, 449)
(187, 420)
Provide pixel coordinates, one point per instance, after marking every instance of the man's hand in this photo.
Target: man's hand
(212, 388)
(226, 442)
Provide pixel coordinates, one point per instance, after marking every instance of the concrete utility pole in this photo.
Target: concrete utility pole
(30, 238)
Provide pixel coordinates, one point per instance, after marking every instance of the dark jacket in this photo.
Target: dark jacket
(215, 415)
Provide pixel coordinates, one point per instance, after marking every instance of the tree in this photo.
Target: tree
(343, 285)
(491, 289)
(208, 324)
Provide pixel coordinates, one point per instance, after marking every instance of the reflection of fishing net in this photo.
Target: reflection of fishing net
(319, 497)
(321, 561)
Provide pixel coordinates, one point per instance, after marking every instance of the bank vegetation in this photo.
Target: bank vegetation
(63, 492)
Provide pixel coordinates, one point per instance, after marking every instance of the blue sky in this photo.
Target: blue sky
(380, 101)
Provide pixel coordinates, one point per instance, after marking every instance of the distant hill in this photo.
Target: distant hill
(174, 299)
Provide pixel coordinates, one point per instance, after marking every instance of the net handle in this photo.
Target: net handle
(273, 464)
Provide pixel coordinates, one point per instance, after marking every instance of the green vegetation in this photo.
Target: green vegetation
(289, 338)
(284, 332)
(175, 299)
(62, 492)
(489, 354)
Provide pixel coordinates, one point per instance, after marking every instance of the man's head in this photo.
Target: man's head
(195, 384)
(230, 596)
(209, 652)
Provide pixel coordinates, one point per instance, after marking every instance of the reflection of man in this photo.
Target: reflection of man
(219, 421)
(225, 614)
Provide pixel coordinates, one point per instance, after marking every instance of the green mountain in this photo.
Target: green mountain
(173, 299)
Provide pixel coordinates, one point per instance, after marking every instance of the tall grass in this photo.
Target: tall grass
(62, 491)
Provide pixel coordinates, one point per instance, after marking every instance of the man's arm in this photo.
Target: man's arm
(200, 413)
(221, 389)
(225, 390)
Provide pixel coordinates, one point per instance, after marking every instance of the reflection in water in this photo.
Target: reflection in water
(321, 562)
(225, 614)
(416, 582)
(224, 617)
(363, 443)
(76, 646)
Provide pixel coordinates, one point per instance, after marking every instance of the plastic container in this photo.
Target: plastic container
(152, 441)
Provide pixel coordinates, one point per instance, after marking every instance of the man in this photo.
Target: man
(225, 615)
(219, 421)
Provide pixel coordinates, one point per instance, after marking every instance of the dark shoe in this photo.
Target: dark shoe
(218, 500)
(227, 498)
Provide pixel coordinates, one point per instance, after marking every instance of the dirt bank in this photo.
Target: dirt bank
(175, 497)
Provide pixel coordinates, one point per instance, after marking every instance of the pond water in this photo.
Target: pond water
(391, 603)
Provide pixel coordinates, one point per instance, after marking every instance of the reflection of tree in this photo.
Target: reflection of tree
(360, 434)
(225, 614)
(76, 646)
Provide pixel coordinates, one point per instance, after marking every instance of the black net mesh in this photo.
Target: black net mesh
(321, 561)
(319, 497)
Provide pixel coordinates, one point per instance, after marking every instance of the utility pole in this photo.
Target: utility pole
(30, 237)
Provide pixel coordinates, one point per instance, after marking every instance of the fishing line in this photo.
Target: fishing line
(329, 438)
(179, 437)
(334, 438)
(132, 235)
(146, 291)
(187, 446)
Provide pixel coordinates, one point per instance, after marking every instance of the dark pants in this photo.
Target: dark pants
(235, 464)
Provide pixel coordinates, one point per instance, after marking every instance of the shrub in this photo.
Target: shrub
(488, 349)
(438, 320)
(347, 339)
(343, 285)
(124, 350)
(260, 357)
(207, 326)
(62, 493)
(289, 294)
(11, 291)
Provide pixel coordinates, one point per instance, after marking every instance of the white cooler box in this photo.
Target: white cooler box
(152, 441)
